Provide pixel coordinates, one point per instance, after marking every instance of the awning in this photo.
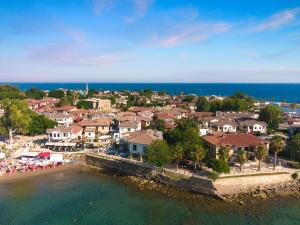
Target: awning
(44, 154)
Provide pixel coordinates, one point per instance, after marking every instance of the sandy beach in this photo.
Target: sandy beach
(8, 178)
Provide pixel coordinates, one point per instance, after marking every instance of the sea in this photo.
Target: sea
(88, 198)
(283, 92)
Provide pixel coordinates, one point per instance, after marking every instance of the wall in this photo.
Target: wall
(193, 184)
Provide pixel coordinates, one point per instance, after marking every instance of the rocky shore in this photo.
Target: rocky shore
(290, 190)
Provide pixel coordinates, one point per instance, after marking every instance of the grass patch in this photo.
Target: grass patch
(175, 176)
(253, 175)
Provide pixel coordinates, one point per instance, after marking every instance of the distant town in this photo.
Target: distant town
(209, 137)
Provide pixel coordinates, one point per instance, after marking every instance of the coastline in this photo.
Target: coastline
(9, 178)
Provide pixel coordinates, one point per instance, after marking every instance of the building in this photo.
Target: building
(61, 118)
(250, 126)
(92, 129)
(128, 127)
(236, 142)
(103, 105)
(139, 140)
(225, 125)
(64, 134)
(65, 109)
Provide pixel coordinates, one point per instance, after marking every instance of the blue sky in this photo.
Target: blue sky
(150, 40)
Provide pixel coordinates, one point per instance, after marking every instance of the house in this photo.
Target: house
(65, 109)
(225, 125)
(139, 140)
(64, 134)
(61, 118)
(128, 127)
(92, 129)
(250, 126)
(236, 142)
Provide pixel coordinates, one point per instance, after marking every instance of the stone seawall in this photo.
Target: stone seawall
(188, 183)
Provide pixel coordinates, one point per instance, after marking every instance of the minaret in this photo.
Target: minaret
(86, 89)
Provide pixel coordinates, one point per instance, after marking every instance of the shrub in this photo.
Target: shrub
(295, 176)
(213, 176)
(219, 166)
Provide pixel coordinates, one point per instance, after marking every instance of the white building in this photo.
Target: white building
(250, 126)
(64, 134)
(139, 140)
(61, 118)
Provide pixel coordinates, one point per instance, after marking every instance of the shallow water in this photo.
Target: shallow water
(75, 197)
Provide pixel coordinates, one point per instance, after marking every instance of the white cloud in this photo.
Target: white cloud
(100, 5)
(278, 20)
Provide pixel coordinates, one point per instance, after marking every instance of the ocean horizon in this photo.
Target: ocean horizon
(284, 92)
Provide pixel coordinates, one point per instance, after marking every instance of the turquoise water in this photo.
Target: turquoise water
(73, 197)
(278, 92)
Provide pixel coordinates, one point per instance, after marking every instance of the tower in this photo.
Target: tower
(86, 89)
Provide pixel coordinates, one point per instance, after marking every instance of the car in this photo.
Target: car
(112, 152)
(123, 154)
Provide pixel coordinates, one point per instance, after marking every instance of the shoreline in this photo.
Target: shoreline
(15, 177)
(276, 192)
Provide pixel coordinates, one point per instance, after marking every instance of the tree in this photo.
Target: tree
(10, 92)
(295, 146)
(177, 154)
(241, 158)
(219, 166)
(35, 93)
(292, 107)
(202, 104)
(276, 146)
(16, 117)
(188, 98)
(158, 153)
(260, 153)
(157, 124)
(197, 155)
(56, 94)
(39, 124)
(272, 115)
(224, 153)
(82, 104)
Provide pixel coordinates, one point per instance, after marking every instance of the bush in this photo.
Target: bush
(219, 166)
(213, 176)
(295, 176)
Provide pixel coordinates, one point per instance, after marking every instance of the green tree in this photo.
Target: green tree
(177, 154)
(197, 155)
(276, 146)
(188, 98)
(241, 158)
(202, 104)
(82, 104)
(35, 93)
(158, 153)
(157, 124)
(10, 92)
(39, 124)
(224, 153)
(272, 115)
(219, 166)
(56, 94)
(295, 146)
(16, 117)
(260, 153)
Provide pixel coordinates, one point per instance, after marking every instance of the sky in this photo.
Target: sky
(150, 41)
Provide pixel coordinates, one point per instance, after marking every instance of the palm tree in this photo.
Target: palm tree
(178, 154)
(241, 158)
(260, 154)
(277, 146)
(292, 107)
(224, 153)
(198, 155)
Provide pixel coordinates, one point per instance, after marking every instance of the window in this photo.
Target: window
(54, 135)
(128, 129)
(65, 134)
(58, 135)
(134, 147)
(50, 135)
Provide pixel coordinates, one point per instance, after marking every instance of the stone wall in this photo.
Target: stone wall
(193, 184)
(236, 185)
